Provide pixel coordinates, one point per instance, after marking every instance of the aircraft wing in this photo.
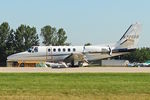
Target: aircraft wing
(75, 57)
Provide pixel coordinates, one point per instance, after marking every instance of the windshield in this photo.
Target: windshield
(30, 49)
(33, 49)
(36, 49)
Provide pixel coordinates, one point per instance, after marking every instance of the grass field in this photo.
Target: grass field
(74, 86)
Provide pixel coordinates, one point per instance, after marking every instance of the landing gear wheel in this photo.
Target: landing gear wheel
(72, 63)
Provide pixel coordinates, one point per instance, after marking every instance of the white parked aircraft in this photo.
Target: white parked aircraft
(81, 54)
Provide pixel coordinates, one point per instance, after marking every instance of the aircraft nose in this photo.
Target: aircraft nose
(12, 57)
(16, 56)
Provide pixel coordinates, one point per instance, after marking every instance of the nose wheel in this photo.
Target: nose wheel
(72, 63)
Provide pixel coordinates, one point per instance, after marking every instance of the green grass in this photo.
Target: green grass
(74, 86)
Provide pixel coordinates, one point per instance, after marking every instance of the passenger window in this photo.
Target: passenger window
(69, 50)
(54, 50)
(36, 49)
(74, 49)
(49, 50)
(59, 50)
(64, 49)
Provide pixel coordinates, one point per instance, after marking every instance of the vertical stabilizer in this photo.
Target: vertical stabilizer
(130, 38)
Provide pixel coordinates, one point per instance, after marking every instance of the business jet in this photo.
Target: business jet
(62, 55)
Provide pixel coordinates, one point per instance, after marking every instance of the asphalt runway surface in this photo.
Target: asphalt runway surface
(75, 70)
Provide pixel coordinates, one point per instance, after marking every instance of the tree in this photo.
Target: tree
(53, 37)
(61, 37)
(47, 32)
(67, 44)
(25, 37)
(10, 43)
(140, 55)
(87, 44)
(5, 31)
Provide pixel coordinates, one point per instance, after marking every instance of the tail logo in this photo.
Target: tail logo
(131, 36)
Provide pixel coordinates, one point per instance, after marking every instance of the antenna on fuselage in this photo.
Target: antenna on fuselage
(110, 50)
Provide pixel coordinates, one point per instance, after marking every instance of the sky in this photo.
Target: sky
(85, 21)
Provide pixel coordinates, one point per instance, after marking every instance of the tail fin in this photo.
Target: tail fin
(130, 38)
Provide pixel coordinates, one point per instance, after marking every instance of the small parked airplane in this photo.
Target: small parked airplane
(61, 55)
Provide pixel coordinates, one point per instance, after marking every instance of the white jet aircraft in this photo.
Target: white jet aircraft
(53, 55)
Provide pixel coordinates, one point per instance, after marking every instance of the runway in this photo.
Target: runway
(75, 70)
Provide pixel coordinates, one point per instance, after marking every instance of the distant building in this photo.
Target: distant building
(115, 63)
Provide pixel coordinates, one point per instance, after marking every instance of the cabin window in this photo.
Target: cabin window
(49, 50)
(54, 50)
(64, 49)
(74, 49)
(59, 49)
(36, 49)
(69, 50)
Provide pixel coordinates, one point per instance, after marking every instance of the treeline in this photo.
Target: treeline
(18, 40)
(140, 55)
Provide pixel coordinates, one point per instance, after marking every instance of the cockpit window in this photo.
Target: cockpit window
(29, 50)
(36, 49)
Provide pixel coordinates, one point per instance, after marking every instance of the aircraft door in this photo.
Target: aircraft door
(49, 56)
